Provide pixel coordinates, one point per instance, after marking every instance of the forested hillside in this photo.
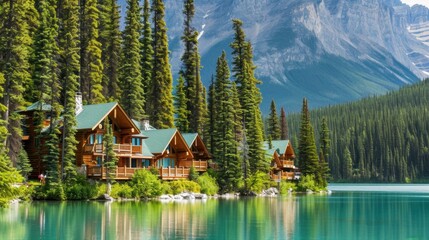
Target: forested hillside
(378, 139)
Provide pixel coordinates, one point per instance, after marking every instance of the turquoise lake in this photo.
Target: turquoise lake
(351, 211)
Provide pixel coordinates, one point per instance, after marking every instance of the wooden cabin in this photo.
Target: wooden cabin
(165, 149)
(171, 154)
(283, 156)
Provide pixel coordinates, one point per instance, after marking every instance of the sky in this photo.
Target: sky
(412, 2)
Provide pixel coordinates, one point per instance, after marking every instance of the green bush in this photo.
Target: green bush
(208, 184)
(101, 189)
(154, 171)
(307, 182)
(25, 192)
(257, 182)
(121, 190)
(82, 189)
(193, 174)
(146, 184)
(166, 188)
(285, 186)
(180, 186)
(49, 192)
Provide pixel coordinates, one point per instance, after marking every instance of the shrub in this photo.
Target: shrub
(82, 189)
(193, 174)
(307, 182)
(208, 184)
(121, 190)
(146, 184)
(53, 191)
(166, 188)
(285, 186)
(257, 182)
(180, 186)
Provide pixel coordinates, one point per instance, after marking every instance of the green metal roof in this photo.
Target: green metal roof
(92, 115)
(36, 106)
(158, 140)
(281, 145)
(189, 138)
(147, 153)
(270, 152)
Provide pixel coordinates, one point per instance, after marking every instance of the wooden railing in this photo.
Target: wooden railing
(199, 165)
(120, 149)
(283, 176)
(125, 173)
(287, 164)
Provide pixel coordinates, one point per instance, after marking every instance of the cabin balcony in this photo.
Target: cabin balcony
(121, 150)
(126, 173)
(283, 176)
(287, 164)
(199, 165)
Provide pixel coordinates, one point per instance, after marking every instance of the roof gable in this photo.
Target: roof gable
(281, 145)
(190, 138)
(158, 140)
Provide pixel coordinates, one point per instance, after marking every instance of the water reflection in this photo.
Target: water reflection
(342, 215)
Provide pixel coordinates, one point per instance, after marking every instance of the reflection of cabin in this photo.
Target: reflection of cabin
(283, 155)
(164, 149)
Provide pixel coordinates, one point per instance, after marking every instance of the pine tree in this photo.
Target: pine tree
(111, 159)
(147, 54)
(91, 76)
(224, 143)
(284, 131)
(16, 21)
(131, 76)
(308, 157)
(211, 115)
(322, 174)
(161, 105)
(69, 77)
(181, 101)
(273, 123)
(110, 39)
(325, 139)
(249, 95)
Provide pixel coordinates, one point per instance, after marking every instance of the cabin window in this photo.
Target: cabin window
(99, 138)
(98, 161)
(133, 163)
(145, 163)
(91, 139)
(136, 141)
(166, 162)
(114, 139)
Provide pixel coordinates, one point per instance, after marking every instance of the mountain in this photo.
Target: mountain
(330, 51)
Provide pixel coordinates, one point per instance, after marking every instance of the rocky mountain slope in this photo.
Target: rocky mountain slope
(329, 51)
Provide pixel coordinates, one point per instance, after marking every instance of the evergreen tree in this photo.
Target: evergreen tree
(325, 139)
(322, 174)
(131, 76)
(238, 116)
(110, 39)
(181, 101)
(16, 20)
(273, 123)
(284, 131)
(23, 165)
(224, 143)
(147, 54)
(111, 159)
(249, 95)
(91, 76)
(69, 77)
(161, 105)
(308, 157)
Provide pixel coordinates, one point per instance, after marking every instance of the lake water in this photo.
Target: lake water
(349, 212)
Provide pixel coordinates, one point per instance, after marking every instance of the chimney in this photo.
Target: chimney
(79, 106)
(145, 125)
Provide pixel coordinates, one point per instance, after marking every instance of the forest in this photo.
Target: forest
(378, 139)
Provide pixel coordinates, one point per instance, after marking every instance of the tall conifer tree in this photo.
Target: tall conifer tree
(284, 131)
(91, 76)
(16, 19)
(161, 105)
(211, 115)
(249, 95)
(224, 143)
(147, 54)
(180, 103)
(273, 123)
(308, 157)
(131, 76)
(110, 39)
(69, 77)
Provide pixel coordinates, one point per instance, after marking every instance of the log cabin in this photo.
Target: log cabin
(282, 163)
(165, 150)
